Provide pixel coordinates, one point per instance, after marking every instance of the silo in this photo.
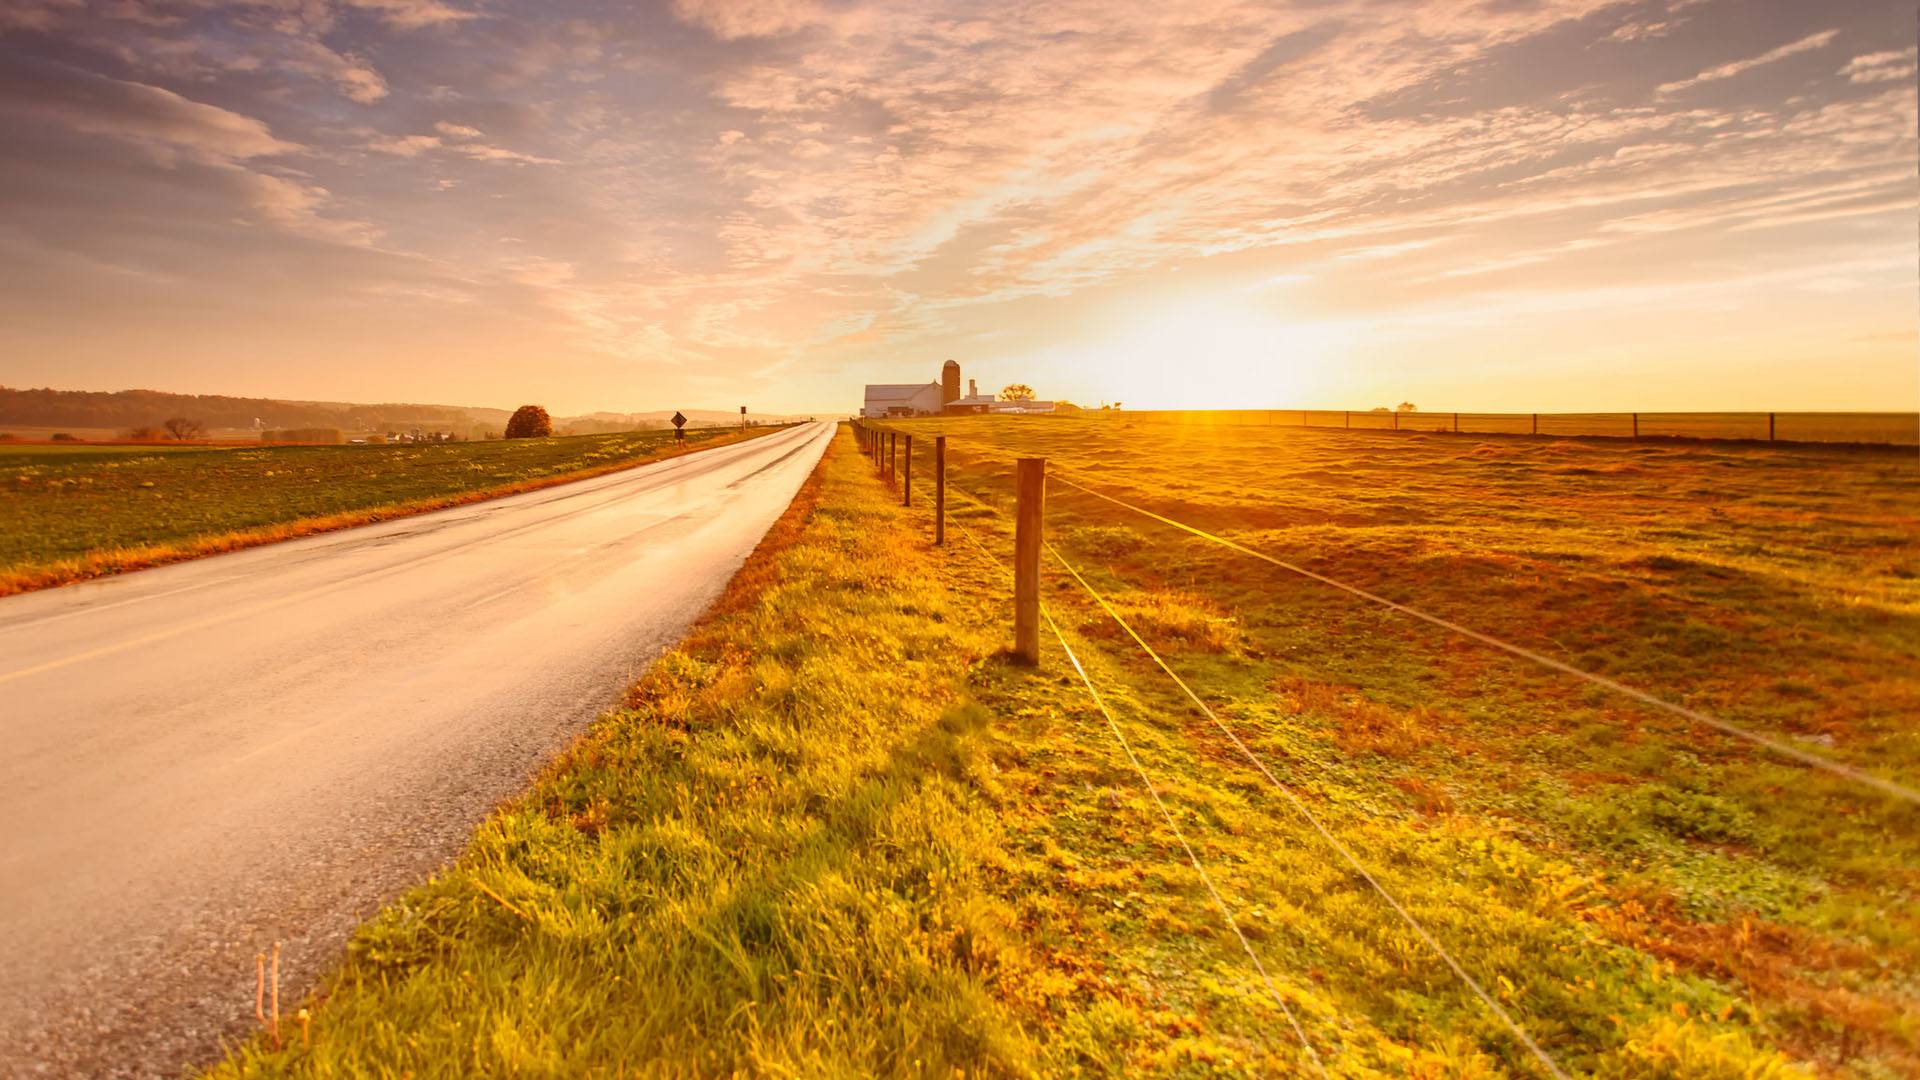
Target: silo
(949, 383)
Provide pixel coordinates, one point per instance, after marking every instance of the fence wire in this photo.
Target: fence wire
(1346, 854)
(1768, 742)
(1166, 815)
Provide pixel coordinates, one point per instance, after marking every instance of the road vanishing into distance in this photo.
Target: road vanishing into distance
(206, 758)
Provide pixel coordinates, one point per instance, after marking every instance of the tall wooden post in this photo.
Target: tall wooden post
(1030, 480)
(939, 490)
(1456, 423)
(1349, 418)
(1396, 420)
(1536, 423)
(906, 475)
(1769, 427)
(1636, 425)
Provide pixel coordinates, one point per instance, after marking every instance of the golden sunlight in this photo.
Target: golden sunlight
(1214, 352)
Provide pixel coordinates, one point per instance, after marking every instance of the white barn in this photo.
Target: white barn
(901, 399)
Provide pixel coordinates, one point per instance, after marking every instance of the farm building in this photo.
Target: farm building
(931, 399)
(901, 399)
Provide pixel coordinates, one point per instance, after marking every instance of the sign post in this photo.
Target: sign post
(679, 427)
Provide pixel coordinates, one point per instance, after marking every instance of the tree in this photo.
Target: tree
(529, 422)
(1406, 406)
(182, 429)
(1017, 392)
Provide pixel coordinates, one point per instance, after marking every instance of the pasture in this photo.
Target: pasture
(1848, 428)
(76, 511)
(1627, 880)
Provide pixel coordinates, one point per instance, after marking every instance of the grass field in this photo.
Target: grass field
(1629, 880)
(836, 833)
(1895, 429)
(73, 512)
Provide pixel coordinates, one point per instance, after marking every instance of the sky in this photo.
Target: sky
(1521, 205)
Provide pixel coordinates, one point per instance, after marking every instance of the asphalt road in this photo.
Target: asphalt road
(203, 759)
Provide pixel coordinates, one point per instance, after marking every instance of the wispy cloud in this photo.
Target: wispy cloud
(1727, 71)
(820, 189)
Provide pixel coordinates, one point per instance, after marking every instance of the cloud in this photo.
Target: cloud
(773, 185)
(1890, 66)
(98, 105)
(413, 14)
(35, 14)
(731, 20)
(404, 145)
(1728, 71)
(408, 146)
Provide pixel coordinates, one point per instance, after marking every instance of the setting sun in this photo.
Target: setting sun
(1206, 353)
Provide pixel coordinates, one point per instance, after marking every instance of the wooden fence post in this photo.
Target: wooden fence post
(1396, 420)
(1636, 425)
(1769, 427)
(1456, 423)
(1349, 419)
(1030, 480)
(1536, 423)
(893, 453)
(939, 490)
(906, 476)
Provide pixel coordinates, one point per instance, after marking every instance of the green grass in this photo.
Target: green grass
(835, 832)
(75, 512)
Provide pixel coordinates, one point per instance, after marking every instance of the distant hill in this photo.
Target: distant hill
(128, 409)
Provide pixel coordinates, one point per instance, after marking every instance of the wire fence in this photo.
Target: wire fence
(1219, 902)
(1505, 1018)
(886, 445)
(1862, 428)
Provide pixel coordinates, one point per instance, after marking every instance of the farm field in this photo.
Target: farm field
(1632, 883)
(72, 512)
(1888, 429)
(836, 832)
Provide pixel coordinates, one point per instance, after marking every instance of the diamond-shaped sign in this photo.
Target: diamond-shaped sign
(679, 421)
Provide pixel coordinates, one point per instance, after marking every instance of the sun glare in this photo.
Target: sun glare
(1216, 354)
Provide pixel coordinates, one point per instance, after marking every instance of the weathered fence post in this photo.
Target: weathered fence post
(1396, 420)
(1030, 480)
(1349, 419)
(1636, 425)
(1769, 427)
(1456, 423)
(1536, 423)
(893, 453)
(939, 490)
(906, 477)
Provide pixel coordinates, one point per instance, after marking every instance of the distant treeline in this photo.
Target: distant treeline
(135, 408)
